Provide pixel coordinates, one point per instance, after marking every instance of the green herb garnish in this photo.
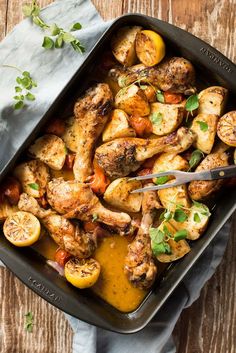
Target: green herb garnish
(180, 234)
(192, 103)
(156, 118)
(160, 97)
(180, 216)
(34, 186)
(158, 244)
(196, 218)
(161, 180)
(203, 125)
(29, 322)
(60, 35)
(95, 217)
(196, 157)
(203, 209)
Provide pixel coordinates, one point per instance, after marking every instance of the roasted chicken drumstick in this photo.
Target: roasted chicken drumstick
(122, 156)
(139, 264)
(76, 200)
(91, 112)
(67, 235)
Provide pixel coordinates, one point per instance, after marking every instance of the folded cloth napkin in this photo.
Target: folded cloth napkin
(52, 70)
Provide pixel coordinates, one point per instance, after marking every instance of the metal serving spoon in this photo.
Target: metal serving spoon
(185, 177)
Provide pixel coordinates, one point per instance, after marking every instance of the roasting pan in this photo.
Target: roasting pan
(212, 68)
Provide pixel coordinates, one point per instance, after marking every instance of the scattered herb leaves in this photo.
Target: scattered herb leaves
(29, 322)
(159, 246)
(33, 11)
(156, 118)
(195, 158)
(203, 125)
(202, 209)
(180, 234)
(196, 218)
(192, 103)
(180, 216)
(34, 186)
(161, 180)
(160, 97)
(95, 217)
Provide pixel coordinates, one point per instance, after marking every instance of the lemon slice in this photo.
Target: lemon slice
(150, 47)
(226, 128)
(82, 273)
(22, 229)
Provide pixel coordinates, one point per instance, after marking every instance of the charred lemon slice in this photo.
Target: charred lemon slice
(82, 273)
(226, 128)
(150, 47)
(22, 229)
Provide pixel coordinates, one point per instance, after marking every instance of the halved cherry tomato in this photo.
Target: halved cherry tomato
(172, 98)
(98, 182)
(62, 256)
(10, 189)
(142, 126)
(69, 162)
(56, 127)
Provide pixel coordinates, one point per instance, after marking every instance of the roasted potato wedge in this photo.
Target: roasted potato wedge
(118, 195)
(133, 101)
(196, 223)
(71, 134)
(165, 118)
(176, 195)
(33, 176)
(226, 128)
(6, 209)
(169, 161)
(150, 47)
(202, 189)
(118, 126)
(212, 100)
(49, 149)
(205, 126)
(123, 45)
(178, 249)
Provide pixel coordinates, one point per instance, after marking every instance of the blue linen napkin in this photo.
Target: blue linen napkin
(52, 70)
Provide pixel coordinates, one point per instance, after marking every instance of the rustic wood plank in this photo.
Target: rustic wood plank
(209, 325)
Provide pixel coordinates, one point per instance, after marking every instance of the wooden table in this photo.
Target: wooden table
(209, 326)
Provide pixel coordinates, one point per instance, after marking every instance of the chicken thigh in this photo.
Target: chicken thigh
(91, 114)
(67, 235)
(76, 200)
(122, 156)
(139, 262)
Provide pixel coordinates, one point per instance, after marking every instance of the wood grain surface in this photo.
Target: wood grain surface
(209, 326)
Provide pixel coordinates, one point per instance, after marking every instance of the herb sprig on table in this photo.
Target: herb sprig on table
(24, 85)
(29, 322)
(60, 36)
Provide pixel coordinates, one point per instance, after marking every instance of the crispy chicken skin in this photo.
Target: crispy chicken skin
(76, 200)
(175, 75)
(67, 235)
(91, 112)
(122, 156)
(139, 263)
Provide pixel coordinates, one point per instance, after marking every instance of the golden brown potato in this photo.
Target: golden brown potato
(165, 118)
(202, 189)
(118, 126)
(205, 126)
(118, 195)
(71, 134)
(49, 149)
(212, 100)
(150, 47)
(176, 195)
(6, 210)
(133, 101)
(169, 161)
(226, 128)
(150, 93)
(123, 45)
(178, 249)
(196, 223)
(33, 176)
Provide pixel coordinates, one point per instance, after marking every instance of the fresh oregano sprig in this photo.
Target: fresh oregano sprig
(29, 322)
(24, 85)
(60, 35)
